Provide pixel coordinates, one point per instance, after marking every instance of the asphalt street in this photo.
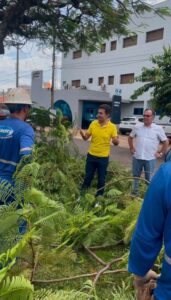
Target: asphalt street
(119, 153)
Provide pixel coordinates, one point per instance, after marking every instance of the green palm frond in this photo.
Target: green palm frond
(16, 288)
(122, 292)
(39, 199)
(24, 178)
(9, 217)
(6, 190)
(8, 258)
(61, 295)
(129, 231)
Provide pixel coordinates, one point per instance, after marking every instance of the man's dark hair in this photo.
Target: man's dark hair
(16, 107)
(152, 110)
(106, 108)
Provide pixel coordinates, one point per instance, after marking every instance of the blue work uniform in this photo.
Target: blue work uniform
(167, 155)
(153, 230)
(16, 140)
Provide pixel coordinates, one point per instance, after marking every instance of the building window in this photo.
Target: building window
(138, 111)
(100, 80)
(76, 83)
(113, 45)
(90, 80)
(127, 78)
(130, 41)
(103, 48)
(154, 35)
(77, 54)
(110, 80)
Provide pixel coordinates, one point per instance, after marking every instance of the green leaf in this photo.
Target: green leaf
(16, 288)
(61, 295)
(113, 193)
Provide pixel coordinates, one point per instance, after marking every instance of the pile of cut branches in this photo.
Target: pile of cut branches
(72, 245)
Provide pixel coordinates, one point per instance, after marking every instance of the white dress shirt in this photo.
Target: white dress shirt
(147, 140)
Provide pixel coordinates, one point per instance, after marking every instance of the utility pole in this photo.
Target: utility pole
(17, 65)
(17, 45)
(53, 72)
(3, 95)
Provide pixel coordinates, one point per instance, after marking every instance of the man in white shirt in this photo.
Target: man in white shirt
(145, 151)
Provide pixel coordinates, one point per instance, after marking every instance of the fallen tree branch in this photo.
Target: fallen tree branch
(106, 246)
(102, 271)
(51, 281)
(98, 259)
(122, 179)
(34, 259)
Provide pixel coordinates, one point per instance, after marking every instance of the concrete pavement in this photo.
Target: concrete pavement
(119, 153)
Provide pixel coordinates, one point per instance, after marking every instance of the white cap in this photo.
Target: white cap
(17, 96)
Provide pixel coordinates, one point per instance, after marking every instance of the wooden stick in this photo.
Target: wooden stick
(101, 272)
(95, 256)
(51, 281)
(106, 246)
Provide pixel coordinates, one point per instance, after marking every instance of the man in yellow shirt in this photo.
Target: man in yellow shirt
(102, 132)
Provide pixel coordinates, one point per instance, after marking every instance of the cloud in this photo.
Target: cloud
(30, 59)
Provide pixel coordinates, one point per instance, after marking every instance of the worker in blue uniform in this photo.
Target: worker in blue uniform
(16, 136)
(153, 230)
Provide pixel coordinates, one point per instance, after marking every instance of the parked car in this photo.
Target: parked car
(165, 122)
(167, 130)
(128, 123)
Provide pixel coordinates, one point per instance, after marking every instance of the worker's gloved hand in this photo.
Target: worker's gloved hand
(145, 285)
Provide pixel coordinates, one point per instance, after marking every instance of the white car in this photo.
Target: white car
(127, 124)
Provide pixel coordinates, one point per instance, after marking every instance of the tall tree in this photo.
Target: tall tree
(84, 23)
(158, 82)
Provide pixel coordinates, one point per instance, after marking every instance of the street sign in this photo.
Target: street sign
(116, 109)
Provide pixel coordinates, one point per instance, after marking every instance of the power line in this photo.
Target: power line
(24, 75)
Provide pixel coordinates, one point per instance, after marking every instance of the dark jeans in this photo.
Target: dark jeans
(94, 163)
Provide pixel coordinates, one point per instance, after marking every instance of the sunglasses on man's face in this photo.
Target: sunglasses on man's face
(147, 116)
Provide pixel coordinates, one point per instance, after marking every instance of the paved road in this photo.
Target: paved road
(120, 153)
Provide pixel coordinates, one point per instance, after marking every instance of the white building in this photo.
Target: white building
(78, 105)
(120, 60)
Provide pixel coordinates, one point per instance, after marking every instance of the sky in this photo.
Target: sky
(31, 59)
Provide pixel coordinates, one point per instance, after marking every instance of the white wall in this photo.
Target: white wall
(73, 97)
(120, 61)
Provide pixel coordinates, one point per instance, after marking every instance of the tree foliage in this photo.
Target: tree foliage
(158, 82)
(70, 22)
(63, 226)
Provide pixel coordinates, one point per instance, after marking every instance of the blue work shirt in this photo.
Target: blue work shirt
(153, 230)
(168, 155)
(16, 140)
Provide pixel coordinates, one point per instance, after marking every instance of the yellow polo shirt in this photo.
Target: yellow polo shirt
(101, 137)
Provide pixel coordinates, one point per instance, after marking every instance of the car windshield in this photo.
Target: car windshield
(128, 119)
